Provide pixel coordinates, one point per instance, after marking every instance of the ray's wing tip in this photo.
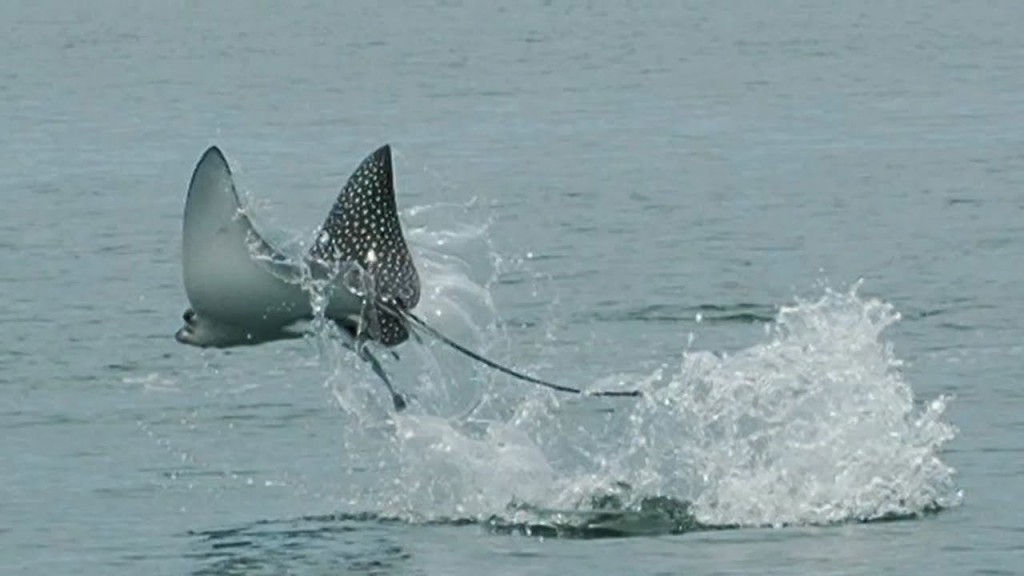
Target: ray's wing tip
(383, 155)
(213, 153)
(212, 159)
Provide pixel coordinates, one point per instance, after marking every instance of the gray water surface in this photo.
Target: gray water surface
(796, 225)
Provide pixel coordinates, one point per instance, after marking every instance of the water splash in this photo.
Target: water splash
(455, 267)
(815, 425)
(482, 466)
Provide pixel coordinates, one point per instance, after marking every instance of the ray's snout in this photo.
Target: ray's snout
(184, 334)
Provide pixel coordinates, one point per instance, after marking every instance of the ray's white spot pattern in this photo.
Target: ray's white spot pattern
(363, 227)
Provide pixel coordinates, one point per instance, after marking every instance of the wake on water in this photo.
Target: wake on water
(815, 425)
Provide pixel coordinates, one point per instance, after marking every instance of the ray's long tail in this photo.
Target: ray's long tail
(506, 370)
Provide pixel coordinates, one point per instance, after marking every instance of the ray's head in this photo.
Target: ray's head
(207, 333)
(192, 332)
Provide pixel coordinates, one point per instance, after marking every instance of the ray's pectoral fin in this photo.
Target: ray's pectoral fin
(215, 233)
(392, 328)
(363, 230)
(233, 278)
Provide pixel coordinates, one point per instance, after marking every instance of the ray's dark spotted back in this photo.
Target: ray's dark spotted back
(363, 227)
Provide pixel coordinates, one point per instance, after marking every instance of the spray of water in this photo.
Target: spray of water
(816, 424)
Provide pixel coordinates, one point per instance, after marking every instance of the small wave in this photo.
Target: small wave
(740, 313)
(652, 516)
(279, 542)
(318, 543)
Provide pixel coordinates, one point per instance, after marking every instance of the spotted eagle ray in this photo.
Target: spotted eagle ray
(244, 291)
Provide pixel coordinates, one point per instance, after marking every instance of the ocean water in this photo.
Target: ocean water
(795, 226)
